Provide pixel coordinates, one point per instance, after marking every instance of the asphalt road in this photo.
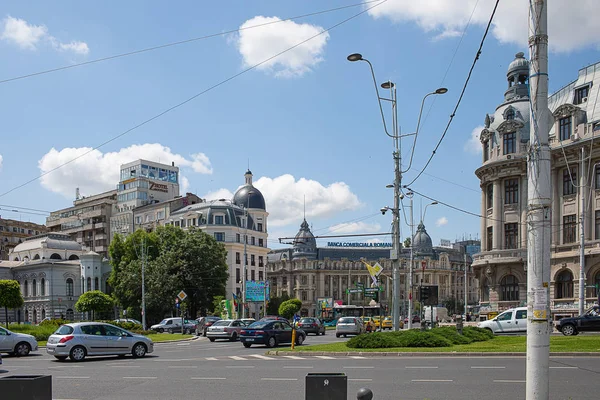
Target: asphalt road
(223, 371)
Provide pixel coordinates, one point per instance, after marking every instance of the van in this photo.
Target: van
(510, 321)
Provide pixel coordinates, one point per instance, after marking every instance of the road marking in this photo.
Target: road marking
(295, 357)
(361, 380)
(420, 367)
(139, 377)
(278, 379)
(183, 366)
(72, 377)
(211, 358)
(238, 358)
(125, 366)
(202, 378)
(67, 366)
(507, 381)
(240, 366)
(183, 344)
(357, 357)
(296, 367)
(564, 367)
(485, 367)
(432, 380)
(261, 357)
(355, 367)
(325, 357)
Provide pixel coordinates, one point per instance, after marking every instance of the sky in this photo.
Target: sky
(271, 92)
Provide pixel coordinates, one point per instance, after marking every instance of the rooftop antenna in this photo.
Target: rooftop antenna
(305, 207)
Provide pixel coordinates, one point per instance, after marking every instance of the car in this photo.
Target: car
(19, 344)
(273, 317)
(204, 323)
(225, 329)
(248, 321)
(510, 321)
(377, 322)
(125, 320)
(387, 323)
(415, 320)
(311, 325)
(587, 322)
(369, 324)
(349, 326)
(81, 339)
(168, 325)
(271, 333)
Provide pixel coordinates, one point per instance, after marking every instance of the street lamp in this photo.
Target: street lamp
(395, 135)
(425, 211)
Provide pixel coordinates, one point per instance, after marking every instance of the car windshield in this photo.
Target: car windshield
(213, 318)
(259, 324)
(163, 322)
(346, 320)
(222, 323)
(307, 320)
(64, 330)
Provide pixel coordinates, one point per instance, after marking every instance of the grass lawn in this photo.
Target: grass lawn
(501, 344)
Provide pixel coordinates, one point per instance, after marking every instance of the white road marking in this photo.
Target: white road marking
(297, 367)
(238, 358)
(355, 367)
(202, 378)
(67, 366)
(420, 367)
(507, 381)
(125, 366)
(325, 357)
(357, 357)
(261, 357)
(295, 358)
(361, 380)
(564, 367)
(211, 358)
(72, 377)
(139, 377)
(239, 366)
(278, 379)
(432, 380)
(486, 367)
(183, 344)
(183, 366)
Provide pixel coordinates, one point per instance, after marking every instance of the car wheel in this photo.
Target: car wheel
(212, 339)
(247, 345)
(323, 332)
(22, 349)
(272, 342)
(345, 335)
(299, 340)
(204, 333)
(160, 330)
(139, 350)
(233, 337)
(77, 353)
(568, 330)
(337, 335)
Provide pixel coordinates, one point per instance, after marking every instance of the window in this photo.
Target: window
(238, 275)
(304, 295)
(597, 225)
(261, 262)
(564, 285)
(597, 177)
(43, 287)
(510, 143)
(259, 227)
(218, 220)
(490, 196)
(511, 191)
(569, 228)
(486, 150)
(564, 128)
(237, 238)
(505, 316)
(69, 287)
(490, 238)
(304, 280)
(34, 288)
(511, 236)
(219, 236)
(253, 241)
(510, 114)
(569, 181)
(252, 260)
(581, 94)
(96, 284)
(284, 280)
(509, 288)
(252, 276)
(238, 258)
(89, 284)
(260, 243)
(596, 282)
(260, 275)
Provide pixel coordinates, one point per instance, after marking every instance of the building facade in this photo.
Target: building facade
(157, 214)
(312, 273)
(575, 180)
(13, 232)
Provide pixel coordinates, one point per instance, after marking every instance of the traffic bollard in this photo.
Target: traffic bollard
(364, 394)
(459, 325)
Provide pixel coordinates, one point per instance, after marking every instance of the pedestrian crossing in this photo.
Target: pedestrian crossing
(250, 357)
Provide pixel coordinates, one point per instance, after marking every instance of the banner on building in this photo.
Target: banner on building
(324, 303)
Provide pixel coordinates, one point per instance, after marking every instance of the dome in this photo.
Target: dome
(304, 243)
(249, 196)
(520, 63)
(422, 243)
(54, 241)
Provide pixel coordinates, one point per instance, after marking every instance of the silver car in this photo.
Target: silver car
(81, 339)
(19, 344)
(349, 326)
(225, 329)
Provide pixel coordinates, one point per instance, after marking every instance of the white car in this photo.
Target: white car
(510, 321)
(19, 344)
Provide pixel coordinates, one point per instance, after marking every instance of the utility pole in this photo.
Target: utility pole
(539, 210)
(395, 257)
(410, 268)
(466, 285)
(582, 194)
(144, 251)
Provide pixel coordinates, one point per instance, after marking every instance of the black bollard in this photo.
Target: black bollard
(364, 394)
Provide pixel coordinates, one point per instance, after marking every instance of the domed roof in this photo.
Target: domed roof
(305, 244)
(520, 63)
(55, 241)
(422, 243)
(248, 195)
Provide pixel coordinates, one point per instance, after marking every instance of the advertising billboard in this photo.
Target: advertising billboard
(256, 291)
(324, 303)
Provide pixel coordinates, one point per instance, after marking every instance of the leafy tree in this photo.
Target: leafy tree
(454, 306)
(407, 242)
(216, 306)
(275, 302)
(288, 308)
(10, 295)
(94, 301)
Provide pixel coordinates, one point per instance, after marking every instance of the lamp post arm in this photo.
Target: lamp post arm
(416, 134)
(378, 98)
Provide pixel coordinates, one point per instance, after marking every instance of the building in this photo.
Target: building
(53, 271)
(575, 181)
(156, 214)
(241, 225)
(314, 274)
(13, 232)
(87, 221)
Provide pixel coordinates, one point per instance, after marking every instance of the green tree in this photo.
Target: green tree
(95, 302)
(10, 295)
(275, 302)
(407, 242)
(288, 308)
(216, 305)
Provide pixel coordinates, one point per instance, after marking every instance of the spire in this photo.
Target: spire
(305, 207)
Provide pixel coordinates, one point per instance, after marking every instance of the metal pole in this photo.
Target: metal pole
(143, 288)
(410, 273)
(466, 299)
(582, 194)
(245, 265)
(539, 212)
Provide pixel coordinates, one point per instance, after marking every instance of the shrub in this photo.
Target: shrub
(412, 338)
(477, 334)
(450, 333)
(41, 332)
(54, 322)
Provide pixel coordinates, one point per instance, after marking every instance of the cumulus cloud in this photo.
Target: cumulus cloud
(441, 221)
(28, 36)
(352, 227)
(1, 162)
(219, 194)
(473, 145)
(569, 27)
(96, 172)
(284, 196)
(257, 45)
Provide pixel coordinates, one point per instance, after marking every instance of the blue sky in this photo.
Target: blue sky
(307, 122)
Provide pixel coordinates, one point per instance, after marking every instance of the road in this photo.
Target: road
(223, 371)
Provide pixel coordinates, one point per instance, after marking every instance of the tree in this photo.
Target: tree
(407, 242)
(275, 302)
(288, 308)
(216, 305)
(454, 306)
(95, 302)
(10, 295)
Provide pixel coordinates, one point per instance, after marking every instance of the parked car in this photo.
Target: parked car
(133, 321)
(81, 339)
(369, 324)
(311, 325)
(19, 344)
(415, 320)
(587, 322)
(510, 321)
(273, 317)
(204, 323)
(248, 321)
(168, 325)
(270, 333)
(225, 329)
(349, 326)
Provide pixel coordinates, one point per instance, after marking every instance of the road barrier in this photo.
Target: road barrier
(21, 387)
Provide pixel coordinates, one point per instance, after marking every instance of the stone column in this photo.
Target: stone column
(555, 208)
(498, 214)
(340, 291)
(484, 220)
(330, 286)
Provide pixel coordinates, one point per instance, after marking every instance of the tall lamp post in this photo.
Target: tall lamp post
(245, 255)
(395, 135)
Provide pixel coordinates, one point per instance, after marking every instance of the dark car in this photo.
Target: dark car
(204, 323)
(272, 317)
(587, 322)
(270, 333)
(311, 325)
(416, 319)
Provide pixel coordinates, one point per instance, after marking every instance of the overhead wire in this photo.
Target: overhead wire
(254, 66)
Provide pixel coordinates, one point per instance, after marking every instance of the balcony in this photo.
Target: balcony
(500, 257)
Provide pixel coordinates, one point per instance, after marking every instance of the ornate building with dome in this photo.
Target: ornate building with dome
(314, 274)
(575, 156)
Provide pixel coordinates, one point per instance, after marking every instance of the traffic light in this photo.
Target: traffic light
(423, 294)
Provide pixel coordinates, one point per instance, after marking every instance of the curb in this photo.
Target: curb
(423, 354)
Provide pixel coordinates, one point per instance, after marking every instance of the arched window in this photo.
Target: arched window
(26, 316)
(107, 288)
(564, 285)
(34, 316)
(509, 288)
(89, 284)
(73, 257)
(510, 114)
(96, 286)
(34, 288)
(69, 287)
(43, 287)
(25, 289)
(591, 291)
(55, 256)
(43, 314)
(36, 257)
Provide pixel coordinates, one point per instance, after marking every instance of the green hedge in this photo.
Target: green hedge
(40, 332)
(437, 337)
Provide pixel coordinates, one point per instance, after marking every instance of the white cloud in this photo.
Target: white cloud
(28, 36)
(569, 27)
(257, 45)
(473, 145)
(352, 227)
(96, 172)
(219, 194)
(1, 162)
(441, 221)
(284, 197)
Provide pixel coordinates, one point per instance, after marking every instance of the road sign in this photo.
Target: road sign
(359, 284)
(354, 290)
(374, 290)
(182, 295)
(369, 294)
